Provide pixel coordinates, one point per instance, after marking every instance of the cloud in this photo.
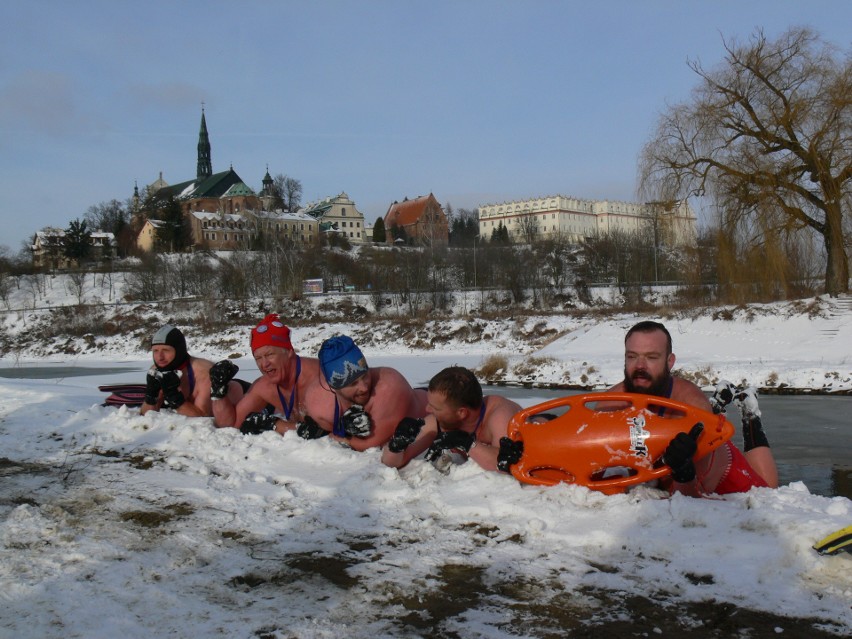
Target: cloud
(42, 101)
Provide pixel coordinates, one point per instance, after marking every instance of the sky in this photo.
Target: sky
(477, 101)
(114, 524)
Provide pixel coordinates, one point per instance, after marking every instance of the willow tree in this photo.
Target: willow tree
(767, 135)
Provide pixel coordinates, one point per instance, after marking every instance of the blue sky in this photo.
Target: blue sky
(477, 102)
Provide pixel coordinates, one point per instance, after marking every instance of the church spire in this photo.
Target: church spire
(205, 167)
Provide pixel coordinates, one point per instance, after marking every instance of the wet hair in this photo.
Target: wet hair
(649, 326)
(459, 385)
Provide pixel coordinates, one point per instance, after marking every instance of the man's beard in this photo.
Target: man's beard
(659, 386)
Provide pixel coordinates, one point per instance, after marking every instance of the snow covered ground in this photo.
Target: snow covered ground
(112, 524)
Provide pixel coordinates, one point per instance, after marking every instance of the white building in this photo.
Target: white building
(575, 219)
(338, 214)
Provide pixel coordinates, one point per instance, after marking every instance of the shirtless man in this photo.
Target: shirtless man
(179, 381)
(368, 403)
(461, 423)
(288, 383)
(648, 362)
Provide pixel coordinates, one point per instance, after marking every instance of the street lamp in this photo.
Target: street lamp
(475, 237)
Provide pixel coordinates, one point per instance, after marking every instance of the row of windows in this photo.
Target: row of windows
(211, 235)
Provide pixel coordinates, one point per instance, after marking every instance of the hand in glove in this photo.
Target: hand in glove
(221, 374)
(406, 432)
(257, 423)
(678, 455)
(449, 440)
(355, 422)
(722, 396)
(510, 453)
(172, 397)
(153, 386)
(309, 429)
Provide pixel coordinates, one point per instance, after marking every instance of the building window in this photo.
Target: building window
(343, 211)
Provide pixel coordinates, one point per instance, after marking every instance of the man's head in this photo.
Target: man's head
(648, 359)
(168, 348)
(453, 395)
(270, 332)
(271, 347)
(345, 368)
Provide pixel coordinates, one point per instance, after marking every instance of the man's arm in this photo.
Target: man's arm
(423, 440)
(485, 450)
(391, 402)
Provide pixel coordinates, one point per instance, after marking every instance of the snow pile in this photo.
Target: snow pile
(112, 524)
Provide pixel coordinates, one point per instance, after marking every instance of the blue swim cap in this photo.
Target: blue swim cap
(341, 361)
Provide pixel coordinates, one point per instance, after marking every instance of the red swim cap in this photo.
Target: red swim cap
(270, 332)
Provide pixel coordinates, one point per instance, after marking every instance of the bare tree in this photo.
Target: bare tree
(768, 134)
(76, 283)
(528, 228)
(289, 189)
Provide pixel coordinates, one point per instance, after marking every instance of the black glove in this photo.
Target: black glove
(448, 440)
(356, 423)
(678, 455)
(510, 453)
(153, 386)
(406, 432)
(172, 397)
(257, 423)
(309, 429)
(221, 373)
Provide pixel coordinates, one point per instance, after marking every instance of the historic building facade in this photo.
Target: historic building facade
(338, 215)
(575, 219)
(48, 249)
(222, 211)
(420, 221)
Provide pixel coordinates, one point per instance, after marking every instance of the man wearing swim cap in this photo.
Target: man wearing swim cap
(179, 381)
(287, 391)
(648, 362)
(369, 402)
(461, 424)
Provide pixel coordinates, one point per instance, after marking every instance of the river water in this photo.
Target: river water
(810, 435)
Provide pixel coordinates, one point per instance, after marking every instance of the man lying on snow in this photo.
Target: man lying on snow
(461, 423)
(179, 381)
(287, 390)
(368, 402)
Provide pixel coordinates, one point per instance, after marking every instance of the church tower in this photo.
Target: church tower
(205, 167)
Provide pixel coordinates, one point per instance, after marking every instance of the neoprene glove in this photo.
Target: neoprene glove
(309, 429)
(356, 423)
(510, 453)
(257, 423)
(679, 453)
(406, 432)
(153, 386)
(172, 397)
(221, 374)
(449, 440)
(722, 396)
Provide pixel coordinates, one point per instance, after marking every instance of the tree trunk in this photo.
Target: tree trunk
(837, 263)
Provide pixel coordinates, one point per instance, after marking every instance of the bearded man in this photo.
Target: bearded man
(648, 363)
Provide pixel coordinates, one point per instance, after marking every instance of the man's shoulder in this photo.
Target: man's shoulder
(200, 364)
(689, 393)
(388, 375)
(498, 402)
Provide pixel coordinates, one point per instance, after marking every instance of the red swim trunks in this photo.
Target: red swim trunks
(739, 476)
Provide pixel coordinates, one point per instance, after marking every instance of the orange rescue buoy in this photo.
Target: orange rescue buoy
(607, 441)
